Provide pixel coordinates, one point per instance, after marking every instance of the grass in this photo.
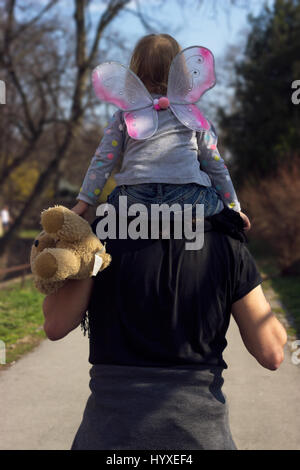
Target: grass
(288, 290)
(21, 319)
(286, 287)
(28, 233)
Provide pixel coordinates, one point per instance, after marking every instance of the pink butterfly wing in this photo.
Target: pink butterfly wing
(192, 72)
(141, 124)
(116, 84)
(191, 116)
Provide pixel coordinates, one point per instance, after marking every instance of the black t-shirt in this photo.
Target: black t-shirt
(158, 304)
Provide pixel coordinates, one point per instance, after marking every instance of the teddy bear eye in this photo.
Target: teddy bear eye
(36, 243)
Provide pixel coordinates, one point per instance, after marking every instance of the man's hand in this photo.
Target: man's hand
(247, 223)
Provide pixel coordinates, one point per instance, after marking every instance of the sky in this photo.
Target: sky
(212, 25)
(216, 25)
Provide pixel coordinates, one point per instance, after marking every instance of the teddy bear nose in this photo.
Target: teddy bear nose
(36, 243)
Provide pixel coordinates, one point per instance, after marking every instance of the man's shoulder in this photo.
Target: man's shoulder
(225, 229)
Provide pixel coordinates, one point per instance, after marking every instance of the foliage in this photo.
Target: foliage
(22, 181)
(46, 64)
(21, 319)
(286, 287)
(274, 206)
(263, 129)
(31, 234)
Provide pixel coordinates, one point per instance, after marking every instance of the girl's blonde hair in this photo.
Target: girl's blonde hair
(151, 60)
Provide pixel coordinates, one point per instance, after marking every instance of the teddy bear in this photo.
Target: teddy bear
(65, 249)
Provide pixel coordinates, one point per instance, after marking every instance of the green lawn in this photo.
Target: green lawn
(287, 287)
(21, 319)
(28, 233)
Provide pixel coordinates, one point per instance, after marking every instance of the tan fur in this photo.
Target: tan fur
(65, 249)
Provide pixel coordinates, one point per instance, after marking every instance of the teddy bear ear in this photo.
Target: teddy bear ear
(61, 222)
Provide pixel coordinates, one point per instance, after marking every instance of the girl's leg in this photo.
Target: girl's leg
(213, 204)
(193, 194)
(161, 193)
(113, 197)
(146, 194)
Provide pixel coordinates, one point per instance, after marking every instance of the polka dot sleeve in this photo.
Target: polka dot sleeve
(213, 164)
(104, 160)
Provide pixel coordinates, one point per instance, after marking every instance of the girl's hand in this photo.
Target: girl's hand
(80, 208)
(247, 223)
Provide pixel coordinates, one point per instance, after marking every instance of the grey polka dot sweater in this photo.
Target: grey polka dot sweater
(174, 154)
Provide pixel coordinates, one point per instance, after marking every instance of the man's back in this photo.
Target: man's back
(158, 317)
(163, 305)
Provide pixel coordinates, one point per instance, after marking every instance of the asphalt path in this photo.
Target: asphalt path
(43, 396)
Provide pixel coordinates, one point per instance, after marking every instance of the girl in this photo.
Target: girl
(175, 165)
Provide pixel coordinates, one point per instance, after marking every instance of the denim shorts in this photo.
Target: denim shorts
(162, 193)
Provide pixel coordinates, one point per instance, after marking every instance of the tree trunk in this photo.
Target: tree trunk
(83, 64)
(40, 186)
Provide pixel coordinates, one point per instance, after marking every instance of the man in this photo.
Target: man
(158, 317)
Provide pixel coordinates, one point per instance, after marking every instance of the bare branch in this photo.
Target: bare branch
(35, 19)
(13, 75)
(113, 8)
(145, 21)
(9, 24)
(79, 16)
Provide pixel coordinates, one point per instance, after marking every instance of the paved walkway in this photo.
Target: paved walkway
(43, 396)
(264, 406)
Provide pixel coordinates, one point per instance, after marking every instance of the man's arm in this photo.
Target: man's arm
(263, 335)
(65, 309)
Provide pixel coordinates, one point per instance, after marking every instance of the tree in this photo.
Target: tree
(84, 60)
(263, 125)
(21, 48)
(50, 99)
